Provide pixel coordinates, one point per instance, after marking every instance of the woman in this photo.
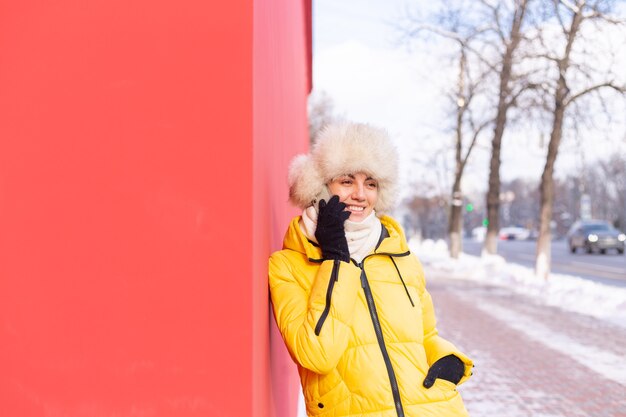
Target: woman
(348, 296)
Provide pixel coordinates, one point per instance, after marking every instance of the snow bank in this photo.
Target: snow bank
(568, 292)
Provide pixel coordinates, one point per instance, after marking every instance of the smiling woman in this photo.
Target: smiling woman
(349, 298)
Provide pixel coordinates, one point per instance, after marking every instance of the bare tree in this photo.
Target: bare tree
(321, 111)
(466, 90)
(471, 77)
(509, 37)
(430, 215)
(571, 15)
(490, 33)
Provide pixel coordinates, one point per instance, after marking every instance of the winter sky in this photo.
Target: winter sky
(361, 62)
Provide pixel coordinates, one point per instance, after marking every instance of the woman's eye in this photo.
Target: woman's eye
(372, 185)
(346, 182)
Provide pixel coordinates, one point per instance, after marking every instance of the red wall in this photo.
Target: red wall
(282, 81)
(128, 213)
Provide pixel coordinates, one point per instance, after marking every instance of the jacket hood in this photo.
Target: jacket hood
(342, 149)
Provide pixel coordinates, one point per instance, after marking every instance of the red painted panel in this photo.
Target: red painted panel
(281, 83)
(125, 166)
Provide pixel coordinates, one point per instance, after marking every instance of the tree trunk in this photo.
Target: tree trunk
(544, 249)
(493, 194)
(455, 224)
(543, 257)
(546, 188)
(454, 221)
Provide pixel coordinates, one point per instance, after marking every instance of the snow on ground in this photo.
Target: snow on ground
(605, 302)
(603, 361)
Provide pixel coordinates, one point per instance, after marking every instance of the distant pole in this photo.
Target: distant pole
(585, 207)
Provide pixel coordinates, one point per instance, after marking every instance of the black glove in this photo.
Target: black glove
(449, 368)
(330, 233)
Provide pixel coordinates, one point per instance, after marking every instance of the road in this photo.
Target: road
(607, 269)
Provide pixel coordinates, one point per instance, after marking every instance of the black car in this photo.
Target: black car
(595, 236)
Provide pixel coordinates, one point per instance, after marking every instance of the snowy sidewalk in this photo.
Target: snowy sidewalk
(532, 360)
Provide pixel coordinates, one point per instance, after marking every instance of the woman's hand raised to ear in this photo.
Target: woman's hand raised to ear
(330, 233)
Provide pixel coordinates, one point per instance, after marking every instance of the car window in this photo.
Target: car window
(597, 228)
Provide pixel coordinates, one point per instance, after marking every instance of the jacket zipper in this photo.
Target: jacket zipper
(333, 278)
(381, 341)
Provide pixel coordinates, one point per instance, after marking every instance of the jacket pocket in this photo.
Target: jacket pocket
(444, 384)
(446, 389)
(441, 390)
(335, 401)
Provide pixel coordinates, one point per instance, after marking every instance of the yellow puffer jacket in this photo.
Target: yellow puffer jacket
(363, 339)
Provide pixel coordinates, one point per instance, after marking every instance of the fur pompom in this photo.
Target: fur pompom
(305, 182)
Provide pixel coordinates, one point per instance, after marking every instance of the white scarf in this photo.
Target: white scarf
(362, 236)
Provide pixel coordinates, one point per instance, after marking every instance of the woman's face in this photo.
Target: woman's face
(358, 191)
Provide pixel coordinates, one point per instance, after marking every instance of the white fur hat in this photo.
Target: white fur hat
(341, 149)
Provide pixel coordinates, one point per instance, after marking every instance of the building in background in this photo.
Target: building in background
(143, 154)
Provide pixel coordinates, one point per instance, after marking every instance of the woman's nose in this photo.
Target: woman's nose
(358, 192)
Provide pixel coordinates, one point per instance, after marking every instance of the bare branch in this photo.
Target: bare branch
(475, 136)
(495, 10)
(575, 8)
(574, 97)
(437, 30)
(542, 56)
(559, 17)
(512, 102)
